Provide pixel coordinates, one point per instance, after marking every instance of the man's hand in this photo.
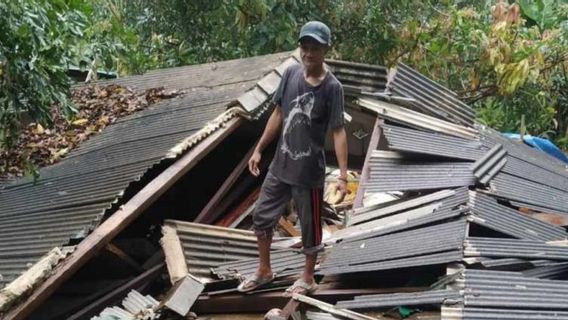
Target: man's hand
(253, 163)
(341, 186)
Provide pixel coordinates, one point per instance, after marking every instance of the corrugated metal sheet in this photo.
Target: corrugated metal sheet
(364, 214)
(390, 172)
(431, 98)
(437, 144)
(283, 263)
(357, 78)
(369, 253)
(519, 189)
(471, 313)
(491, 163)
(503, 289)
(406, 262)
(415, 119)
(521, 151)
(536, 208)
(135, 306)
(489, 213)
(206, 247)
(509, 263)
(549, 271)
(448, 208)
(401, 299)
(534, 172)
(72, 196)
(513, 248)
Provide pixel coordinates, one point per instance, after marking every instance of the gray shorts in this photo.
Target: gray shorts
(274, 196)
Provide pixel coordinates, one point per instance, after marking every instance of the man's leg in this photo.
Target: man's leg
(264, 268)
(308, 202)
(274, 195)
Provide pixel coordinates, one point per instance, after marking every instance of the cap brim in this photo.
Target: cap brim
(314, 36)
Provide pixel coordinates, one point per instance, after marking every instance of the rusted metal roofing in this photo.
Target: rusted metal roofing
(71, 197)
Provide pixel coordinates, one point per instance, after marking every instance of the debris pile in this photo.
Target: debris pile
(445, 219)
(97, 106)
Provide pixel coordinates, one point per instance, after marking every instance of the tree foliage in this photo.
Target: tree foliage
(34, 57)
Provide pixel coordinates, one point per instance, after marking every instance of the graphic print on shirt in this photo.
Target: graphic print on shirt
(294, 142)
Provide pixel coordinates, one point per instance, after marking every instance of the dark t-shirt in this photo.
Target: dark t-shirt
(307, 112)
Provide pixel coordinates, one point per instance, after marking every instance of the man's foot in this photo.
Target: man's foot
(302, 287)
(255, 281)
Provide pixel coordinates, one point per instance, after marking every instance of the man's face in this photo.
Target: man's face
(312, 52)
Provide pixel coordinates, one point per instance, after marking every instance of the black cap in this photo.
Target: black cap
(316, 30)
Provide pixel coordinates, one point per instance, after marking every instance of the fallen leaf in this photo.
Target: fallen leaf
(80, 122)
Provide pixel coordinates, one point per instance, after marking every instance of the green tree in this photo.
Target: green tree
(34, 57)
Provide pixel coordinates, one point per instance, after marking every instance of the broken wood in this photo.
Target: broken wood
(173, 251)
(288, 227)
(240, 210)
(373, 144)
(209, 213)
(331, 308)
(127, 213)
(124, 257)
(183, 295)
(289, 309)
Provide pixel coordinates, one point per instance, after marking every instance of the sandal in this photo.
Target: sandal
(307, 289)
(254, 282)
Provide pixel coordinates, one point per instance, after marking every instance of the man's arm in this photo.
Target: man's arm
(340, 146)
(270, 132)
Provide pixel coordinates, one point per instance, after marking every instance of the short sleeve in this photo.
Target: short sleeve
(277, 97)
(336, 103)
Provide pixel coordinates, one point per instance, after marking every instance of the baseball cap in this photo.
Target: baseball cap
(317, 30)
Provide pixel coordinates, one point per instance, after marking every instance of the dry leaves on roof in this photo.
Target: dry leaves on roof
(98, 106)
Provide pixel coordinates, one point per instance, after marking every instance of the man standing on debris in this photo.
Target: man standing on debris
(308, 101)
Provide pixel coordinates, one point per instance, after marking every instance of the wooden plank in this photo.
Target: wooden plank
(173, 250)
(290, 307)
(239, 211)
(207, 214)
(288, 227)
(138, 283)
(344, 313)
(364, 178)
(120, 220)
(124, 257)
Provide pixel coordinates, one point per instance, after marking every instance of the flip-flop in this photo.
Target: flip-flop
(307, 289)
(254, 282)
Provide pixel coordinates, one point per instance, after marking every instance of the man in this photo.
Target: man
(308, 101)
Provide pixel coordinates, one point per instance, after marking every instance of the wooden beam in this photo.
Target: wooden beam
(118, 221)
(124, 257)
(291, 307)
(288, 227)
(364, 178)
(138, 283)
(173, 250)
(242, 209)
(208, 214)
